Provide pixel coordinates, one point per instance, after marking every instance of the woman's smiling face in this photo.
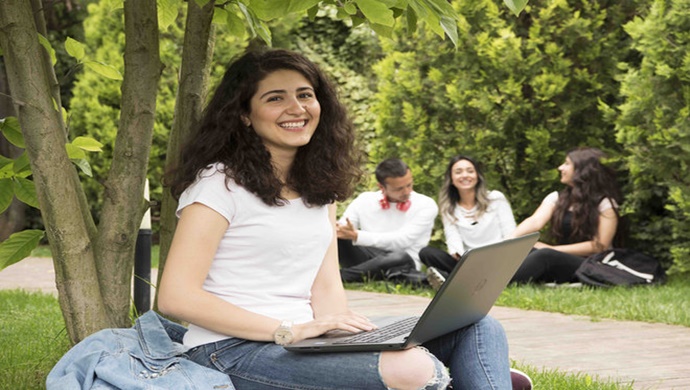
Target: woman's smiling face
(464, 175)
(284, 111)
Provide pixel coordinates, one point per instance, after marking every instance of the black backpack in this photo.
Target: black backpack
(620, 267)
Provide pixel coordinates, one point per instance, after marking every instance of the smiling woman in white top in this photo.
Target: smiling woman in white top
(472, 216)
(253, 265)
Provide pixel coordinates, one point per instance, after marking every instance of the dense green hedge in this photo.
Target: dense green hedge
(516, 93)
(653, 125)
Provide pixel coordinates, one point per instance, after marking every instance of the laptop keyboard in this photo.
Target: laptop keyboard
(384, 333)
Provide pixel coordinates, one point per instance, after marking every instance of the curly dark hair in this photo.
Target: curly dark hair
(325, 170)
(592, 182)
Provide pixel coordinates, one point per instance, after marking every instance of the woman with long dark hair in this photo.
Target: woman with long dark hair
(583, 217)
(253, 264)
(472, 216)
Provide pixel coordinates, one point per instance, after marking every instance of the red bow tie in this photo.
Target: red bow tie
(402, 206)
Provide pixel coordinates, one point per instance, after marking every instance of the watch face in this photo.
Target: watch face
(283, 334)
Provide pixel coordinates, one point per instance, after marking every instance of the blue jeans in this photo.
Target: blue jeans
(476, 356)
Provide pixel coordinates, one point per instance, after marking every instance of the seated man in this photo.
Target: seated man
(380, 233)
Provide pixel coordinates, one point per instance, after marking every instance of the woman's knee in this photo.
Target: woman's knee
(414, 368)
(543, 254)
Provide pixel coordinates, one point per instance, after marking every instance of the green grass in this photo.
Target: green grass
(555, 379)
(32, 338)
(666, 303)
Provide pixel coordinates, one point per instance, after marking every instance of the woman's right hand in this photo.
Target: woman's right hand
(348, 322)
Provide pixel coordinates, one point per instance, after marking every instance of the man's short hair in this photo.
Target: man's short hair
(391, 167)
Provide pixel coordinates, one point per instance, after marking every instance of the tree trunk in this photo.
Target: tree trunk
(124, 202)
(13, 219)
(191, 96)
(68, 222)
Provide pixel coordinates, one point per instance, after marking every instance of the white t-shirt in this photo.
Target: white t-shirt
(392, 229)
(494, 225)
(269, 256)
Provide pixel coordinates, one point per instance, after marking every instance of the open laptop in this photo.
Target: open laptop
(468, 294)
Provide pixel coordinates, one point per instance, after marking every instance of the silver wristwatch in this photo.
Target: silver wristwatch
(283, 335)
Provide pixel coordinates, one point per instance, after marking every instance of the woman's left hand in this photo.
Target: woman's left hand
(541, 245)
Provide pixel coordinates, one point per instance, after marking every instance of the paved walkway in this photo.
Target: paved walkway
(651, 356)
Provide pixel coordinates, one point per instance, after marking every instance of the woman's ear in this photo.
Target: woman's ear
(245, 120)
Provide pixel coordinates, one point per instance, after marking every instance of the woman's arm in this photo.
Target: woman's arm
(608, 223)
(327, 292)
(453, 238)
(536, 221)
(181, 295)
(328, 298)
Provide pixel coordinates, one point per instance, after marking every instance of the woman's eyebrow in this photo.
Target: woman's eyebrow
(272, 92)
(283, 91)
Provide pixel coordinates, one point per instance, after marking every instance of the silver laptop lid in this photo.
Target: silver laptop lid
(472, 287)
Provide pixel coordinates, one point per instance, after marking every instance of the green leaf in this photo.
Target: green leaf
(12, 131)
(19, 246)
(428, 13)
(167, 13)
(411, 21)
(382, 30)
(104, 70)
(6, 194)
(83, 166)
(74, 152)
(350, 8)
(269, 9)
(235, 24)
(257, 26)
(376, 12)
(264, 32)
(516, 5)
(21, 165)
(65, 115)
(301, 5)
(87, 143)
(201, 3)
(311, 13)
(75, 48)
(450, 26)
(46, 45)
(4, 161)
(6, 168)
(25, 190)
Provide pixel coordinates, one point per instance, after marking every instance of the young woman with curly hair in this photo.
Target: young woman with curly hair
(583, 217)
(253, 264)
